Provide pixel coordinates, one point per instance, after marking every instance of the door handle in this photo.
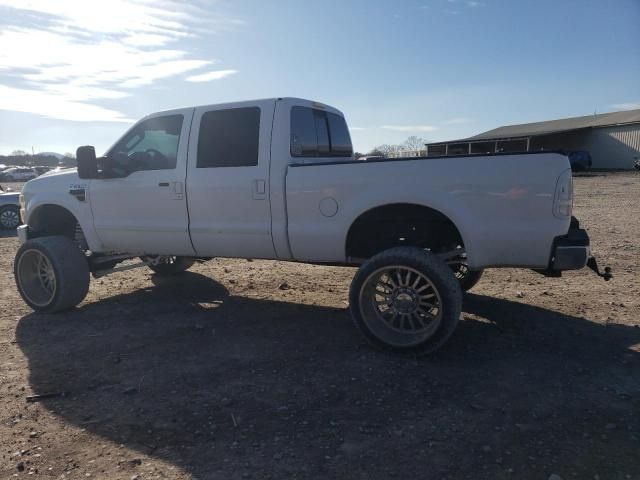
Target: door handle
(259, 189)
(163, 184)
(178, 190)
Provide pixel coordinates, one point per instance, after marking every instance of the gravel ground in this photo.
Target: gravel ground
(241, 369)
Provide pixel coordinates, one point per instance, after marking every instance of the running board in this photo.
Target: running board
(124, 268)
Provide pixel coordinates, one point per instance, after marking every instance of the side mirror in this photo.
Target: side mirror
(87, 162)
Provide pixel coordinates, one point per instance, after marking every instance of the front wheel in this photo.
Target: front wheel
(168, 265)
(9, 217)
(51, 273)
(405, 300)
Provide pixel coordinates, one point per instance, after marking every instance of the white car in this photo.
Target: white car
(276, 179)
(9, 209)
(18, 174)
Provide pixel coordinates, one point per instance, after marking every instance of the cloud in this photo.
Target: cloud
(356, 129)
(626, 106)
(410, 128)
(209, 76)
(458, 121)
(55, 106)
(75, 54)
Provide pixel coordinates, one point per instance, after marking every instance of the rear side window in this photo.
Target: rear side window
(340, 138)
(229, 138)
(316, 133)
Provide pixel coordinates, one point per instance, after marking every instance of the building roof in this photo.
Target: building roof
(561, 125)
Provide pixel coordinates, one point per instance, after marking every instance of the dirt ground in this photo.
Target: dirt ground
(241, 369)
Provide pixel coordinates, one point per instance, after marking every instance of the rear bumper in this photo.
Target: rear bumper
(570, 251)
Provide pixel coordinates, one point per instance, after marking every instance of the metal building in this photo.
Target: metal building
(612, 139)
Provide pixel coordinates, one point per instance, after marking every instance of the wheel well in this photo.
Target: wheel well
(53, 220)
(401, 224)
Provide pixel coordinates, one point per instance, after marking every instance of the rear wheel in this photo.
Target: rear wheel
(51, 273)
(405, 300)
(169, 265)
(9, 217)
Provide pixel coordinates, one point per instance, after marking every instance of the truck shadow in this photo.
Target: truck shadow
(224, 386)
(8, 233)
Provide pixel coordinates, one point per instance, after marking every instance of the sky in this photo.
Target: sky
(79, 72)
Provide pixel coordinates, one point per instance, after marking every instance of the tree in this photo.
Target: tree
(414, 143)
(19, 153)
(386, 149)
(70, 155)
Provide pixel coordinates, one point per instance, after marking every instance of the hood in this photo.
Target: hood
(52, 173)
(52, 181)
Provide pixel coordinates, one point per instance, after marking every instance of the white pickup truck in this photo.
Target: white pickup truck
(276, 179)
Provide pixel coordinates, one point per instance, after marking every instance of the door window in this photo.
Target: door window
(229, 138)
(150, 145)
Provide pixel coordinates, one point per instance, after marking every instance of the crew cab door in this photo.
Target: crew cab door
(139, 206)
(228, 180)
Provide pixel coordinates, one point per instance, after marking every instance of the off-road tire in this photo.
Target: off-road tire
(70, 269)
(442, 279)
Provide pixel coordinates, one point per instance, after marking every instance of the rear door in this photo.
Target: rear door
(228, 180)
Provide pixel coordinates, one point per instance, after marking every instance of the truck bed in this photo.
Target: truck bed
(501, 203)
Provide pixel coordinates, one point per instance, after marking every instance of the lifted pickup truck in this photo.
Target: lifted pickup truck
(276, 179)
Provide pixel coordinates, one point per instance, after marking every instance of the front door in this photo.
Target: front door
(139, 205)
(228, 180)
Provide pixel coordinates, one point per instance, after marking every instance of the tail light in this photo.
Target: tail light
(563, 200)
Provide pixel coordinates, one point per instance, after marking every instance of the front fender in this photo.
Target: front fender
(63, 191)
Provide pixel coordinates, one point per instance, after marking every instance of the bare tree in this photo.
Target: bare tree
(414, 143)
(19, 153)
(386, 149)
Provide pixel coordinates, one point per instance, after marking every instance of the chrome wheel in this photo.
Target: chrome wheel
(36, 277)
(9, 218)
(400, 305)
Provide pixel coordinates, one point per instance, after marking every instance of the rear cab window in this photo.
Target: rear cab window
(316, 133)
